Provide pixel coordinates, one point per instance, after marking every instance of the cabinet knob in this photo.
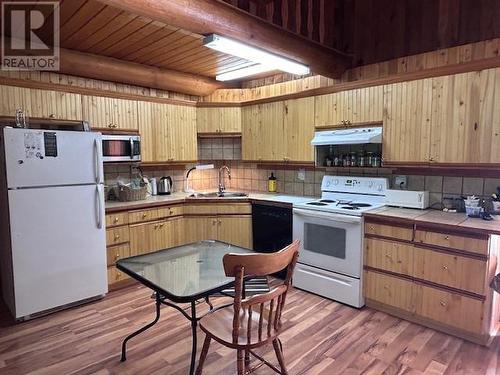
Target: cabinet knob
(445, 268)
(442, 303)
(171, 212)
(219, 222)
(388, 256)
(144, 215)
(52, 115)
(372, 227)
(214, 222)
(116, 219)
(155, 226)
(117, 256)
(117, 236)
(118, 275)
(110, 126)
(161, 225)
(447, 237)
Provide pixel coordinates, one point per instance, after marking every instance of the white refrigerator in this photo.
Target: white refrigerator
(55, 253)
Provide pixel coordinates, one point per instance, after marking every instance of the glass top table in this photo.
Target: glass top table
(183, 274)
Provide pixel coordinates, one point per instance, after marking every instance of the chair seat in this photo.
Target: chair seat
(219, 325)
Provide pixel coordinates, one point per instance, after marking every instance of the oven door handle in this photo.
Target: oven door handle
(328, 216)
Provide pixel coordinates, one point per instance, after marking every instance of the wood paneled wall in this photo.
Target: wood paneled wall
(379, 30)
(286, 84)
(64, 79)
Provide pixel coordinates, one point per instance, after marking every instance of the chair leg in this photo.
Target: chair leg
(203, 355)
(247, 360)
(279, 354)
(240, 362)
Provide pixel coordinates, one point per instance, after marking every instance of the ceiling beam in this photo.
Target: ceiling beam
(214, 16)
(110, 69)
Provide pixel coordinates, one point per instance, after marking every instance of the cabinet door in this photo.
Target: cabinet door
(208, 120)
(390, 290)
(181, 129)
(408, 108)
(103, 112)
(357, 106)
(236, 230)
(199, 228)
(263, 132)
(146, 124)
(145, 238)
(53, 104)
(467, 126)
(299, 129)
(230, 120)
(11, 99)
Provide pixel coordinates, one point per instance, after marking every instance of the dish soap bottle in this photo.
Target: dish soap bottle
(271, 184)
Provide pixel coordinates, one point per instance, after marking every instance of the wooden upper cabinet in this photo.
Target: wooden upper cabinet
(299, 129)
(466, 129)
(263, 132)
(407, 112)
(349, 107)
(218, 120)
(40, 103)
(168, 132)
(112, 113)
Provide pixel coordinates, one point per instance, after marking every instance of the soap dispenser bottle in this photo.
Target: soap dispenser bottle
(271, 184)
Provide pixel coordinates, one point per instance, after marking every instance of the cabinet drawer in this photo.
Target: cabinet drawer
(142, 215)
(389, 290)
(451, 270)
(450, 308)
(114, 220)
(115, 275)
(234, 208)
(389, 255)
(452, 241)
(169, 211)
(200, 209)
(115, 253)
(117, 235)
(383, 230)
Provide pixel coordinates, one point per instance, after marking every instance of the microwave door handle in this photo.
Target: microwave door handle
(328, 216)
(131, 140)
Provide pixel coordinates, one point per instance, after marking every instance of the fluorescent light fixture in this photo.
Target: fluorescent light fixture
(243, 72)
(257, 55)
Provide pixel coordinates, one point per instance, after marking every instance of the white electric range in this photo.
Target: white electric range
(330, 231)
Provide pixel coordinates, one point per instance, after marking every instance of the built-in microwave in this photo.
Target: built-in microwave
(121, 148)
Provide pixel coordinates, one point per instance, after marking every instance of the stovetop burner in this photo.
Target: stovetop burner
(327, 201)
(318, 204)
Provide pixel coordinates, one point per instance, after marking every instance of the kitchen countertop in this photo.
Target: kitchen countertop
(181, 197)
(458, 219)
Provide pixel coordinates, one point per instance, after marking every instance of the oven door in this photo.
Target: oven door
(329, 241)
(121, 148)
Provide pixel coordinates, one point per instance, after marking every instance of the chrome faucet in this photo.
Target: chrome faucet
(222, 186)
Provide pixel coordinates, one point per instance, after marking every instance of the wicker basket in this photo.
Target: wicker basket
(127, 194)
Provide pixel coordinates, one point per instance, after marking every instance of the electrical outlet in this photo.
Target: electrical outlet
(400, 182)
(301, 175)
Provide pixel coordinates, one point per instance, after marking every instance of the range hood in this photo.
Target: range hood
(353, 136)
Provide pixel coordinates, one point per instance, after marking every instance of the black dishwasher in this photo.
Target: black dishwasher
(271, 227)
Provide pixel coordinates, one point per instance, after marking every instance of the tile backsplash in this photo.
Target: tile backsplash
(219, 148)
(246, 176)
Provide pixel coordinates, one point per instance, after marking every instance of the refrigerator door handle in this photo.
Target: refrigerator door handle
(98, 207)
(97, 160)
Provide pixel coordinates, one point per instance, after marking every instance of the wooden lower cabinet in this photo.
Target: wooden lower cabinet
(439, 279)
(390, 290)
(236, 230)
(156, 235)
(233, 229)
(451, 309)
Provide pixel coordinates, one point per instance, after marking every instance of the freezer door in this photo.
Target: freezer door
(58, 246)
(51, 158)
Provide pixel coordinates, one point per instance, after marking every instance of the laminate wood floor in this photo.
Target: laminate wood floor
(323, 337)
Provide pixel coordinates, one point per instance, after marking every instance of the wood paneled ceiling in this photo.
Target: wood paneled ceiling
(92, 27)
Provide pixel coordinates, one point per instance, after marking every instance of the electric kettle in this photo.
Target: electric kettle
(165, 185)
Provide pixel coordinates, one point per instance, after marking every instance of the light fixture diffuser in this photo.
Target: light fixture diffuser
(262, 58)
(243, 72)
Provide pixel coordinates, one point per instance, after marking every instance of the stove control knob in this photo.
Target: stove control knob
(328, 183)
(336, 182)
(380, 187)
(370, 184)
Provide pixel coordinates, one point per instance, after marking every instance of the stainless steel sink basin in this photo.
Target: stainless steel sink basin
(226, 194)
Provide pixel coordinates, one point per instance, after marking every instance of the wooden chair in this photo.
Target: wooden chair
(250, 323)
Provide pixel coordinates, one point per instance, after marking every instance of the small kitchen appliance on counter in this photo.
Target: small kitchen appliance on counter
(165, 185)
(331, 235)
(407, 198)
